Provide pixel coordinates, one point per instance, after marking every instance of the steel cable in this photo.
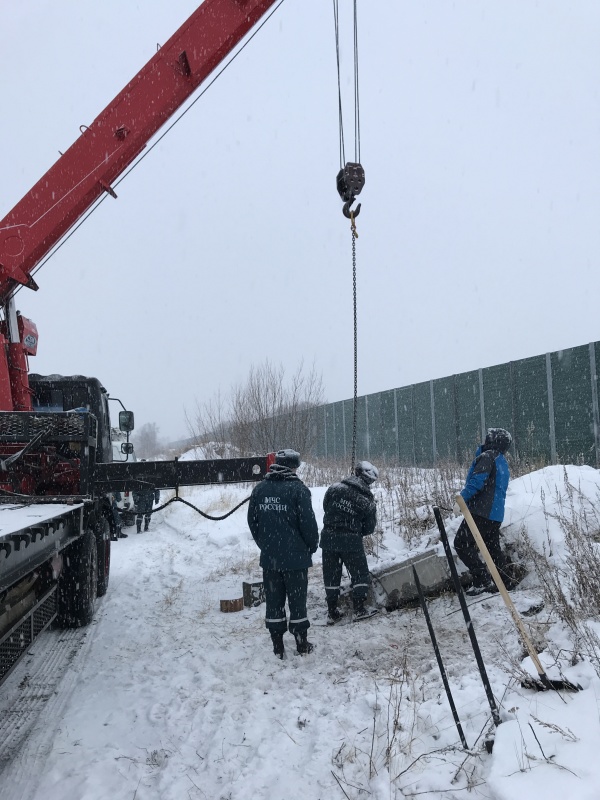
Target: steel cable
(178, 499)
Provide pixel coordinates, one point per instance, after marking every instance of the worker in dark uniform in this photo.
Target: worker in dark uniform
(350, 515)
(283, 525)
(116, 531)
(485, 493)
(143, 500)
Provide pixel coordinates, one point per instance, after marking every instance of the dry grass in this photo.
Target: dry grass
(405, 495)
(571, 586)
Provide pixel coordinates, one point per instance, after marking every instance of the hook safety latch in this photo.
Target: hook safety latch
(350, 181)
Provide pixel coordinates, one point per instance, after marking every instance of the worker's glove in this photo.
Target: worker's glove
(456, 510)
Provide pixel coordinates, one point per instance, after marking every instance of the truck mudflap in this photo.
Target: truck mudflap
(28, 534)
(119, 476)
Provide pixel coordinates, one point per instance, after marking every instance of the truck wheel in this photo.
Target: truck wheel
(103, 550)
(127, 519)
(78, 583)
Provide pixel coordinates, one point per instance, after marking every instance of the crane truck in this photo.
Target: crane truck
(56, 468)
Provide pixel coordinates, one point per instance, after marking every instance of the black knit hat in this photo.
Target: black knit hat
(288, 458)
(498, 439)
(366, 471)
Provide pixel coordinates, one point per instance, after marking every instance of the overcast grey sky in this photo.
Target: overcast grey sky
(479, 238)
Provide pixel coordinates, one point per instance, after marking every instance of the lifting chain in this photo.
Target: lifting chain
(350, 181)
(354, 406)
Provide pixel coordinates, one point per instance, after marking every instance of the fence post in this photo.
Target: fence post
(553, 457)
(481, 405)
(344, 426)
(596, 415)
(513, 408)
(335, 453)
(412, 413)
(433, 439)
(396, 426)
(456, 420)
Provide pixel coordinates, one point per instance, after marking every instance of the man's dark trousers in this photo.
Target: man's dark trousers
(356, 564)
(278, 584)
(468, 552)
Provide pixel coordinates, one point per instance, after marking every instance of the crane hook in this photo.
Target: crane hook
(350, 180)
(351, 213)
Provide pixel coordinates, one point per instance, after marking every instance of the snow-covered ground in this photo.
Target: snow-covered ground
(165, 696)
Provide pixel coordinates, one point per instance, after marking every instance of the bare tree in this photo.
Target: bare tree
(265, 413)
(209, 426)
(146, 440)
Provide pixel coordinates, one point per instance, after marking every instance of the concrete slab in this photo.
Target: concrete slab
(394, 586)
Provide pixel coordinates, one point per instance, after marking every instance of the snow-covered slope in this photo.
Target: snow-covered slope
(177, 700)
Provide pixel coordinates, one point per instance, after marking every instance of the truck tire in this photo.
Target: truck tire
(103, 550)
(78, 584)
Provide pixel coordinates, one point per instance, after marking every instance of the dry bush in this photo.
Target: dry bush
(571, 588)
(405, 495)
(408, 494)
(271, 410)
(323, 472)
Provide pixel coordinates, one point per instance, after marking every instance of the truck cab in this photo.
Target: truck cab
(56, 393)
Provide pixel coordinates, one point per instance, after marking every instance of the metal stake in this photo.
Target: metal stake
(471, 631)
(439, 659)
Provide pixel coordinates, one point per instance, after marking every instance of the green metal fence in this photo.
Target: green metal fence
(548, 402)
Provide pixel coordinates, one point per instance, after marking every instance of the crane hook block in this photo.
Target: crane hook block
(350, 181)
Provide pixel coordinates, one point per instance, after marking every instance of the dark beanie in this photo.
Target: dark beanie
(498, 439)
(288, 458)
(366, 471)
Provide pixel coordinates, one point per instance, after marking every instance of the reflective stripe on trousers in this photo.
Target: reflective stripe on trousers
(281, 586)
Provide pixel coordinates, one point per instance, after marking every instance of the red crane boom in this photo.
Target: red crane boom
(102, 152)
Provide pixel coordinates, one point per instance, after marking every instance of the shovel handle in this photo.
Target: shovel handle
(500, 584)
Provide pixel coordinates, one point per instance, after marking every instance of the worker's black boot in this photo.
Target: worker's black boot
(333, 613)
(303, 646)
(477, 589)
(138, 525)
(278, 648)
(146, 524)
(361, 612)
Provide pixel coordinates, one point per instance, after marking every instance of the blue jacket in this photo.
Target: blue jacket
(486, 484)
(282, 521)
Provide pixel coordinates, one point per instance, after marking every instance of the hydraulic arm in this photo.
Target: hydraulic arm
(118, 134)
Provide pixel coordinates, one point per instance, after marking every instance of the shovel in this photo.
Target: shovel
(544, 682)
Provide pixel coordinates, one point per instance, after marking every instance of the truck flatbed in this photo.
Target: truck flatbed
(30, 533)
(15, 518)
